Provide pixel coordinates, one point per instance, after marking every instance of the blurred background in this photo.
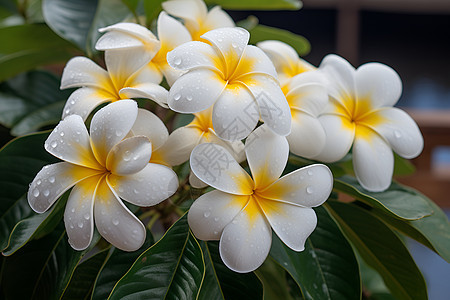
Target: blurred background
(413, 37)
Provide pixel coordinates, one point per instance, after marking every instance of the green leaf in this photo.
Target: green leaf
(222, 283)
(258, 4)
(248, 23)
(173, 268)
(152, 9)
(402, 166)
(45, 265)
(20, 160)
(433, 231)
(381, 249)
(82, 282)
(327, 268)
(273, 277)
(398, 201)
(31, 101)
(29, 46)
(262, 33)
(117, 264)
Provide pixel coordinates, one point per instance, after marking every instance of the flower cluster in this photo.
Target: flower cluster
(231, 87)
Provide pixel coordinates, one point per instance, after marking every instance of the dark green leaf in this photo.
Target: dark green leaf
(29, 46)
(131, 4)
(82, 282)
(273, 277)
(173, 268)
(20, 160)
(402, 166)
(258, 4)
(381, 249)
(262, 33)
(327, 268)
(433, 231)
(31, 101)
(222, 283)
(152, 9)
(399, 201)
(118, 263)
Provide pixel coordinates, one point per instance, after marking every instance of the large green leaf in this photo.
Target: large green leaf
(327, 268)
(82, 282)
(274, 280)
(20, 160)
(27, 46)
(222, 283)
(433, 231)
(171, 269)
(31, 101)
(258, 4)
(42, 269)
(399, 201)
(117, 264)
(152, 10)
(262, 33)
(381, 249)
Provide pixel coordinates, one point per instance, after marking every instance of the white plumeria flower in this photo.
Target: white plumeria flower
(196, 16)
(238, 79)
(127, 76)
(243, 210)
(178, 147)
(134, 37)
(104, 167)
(360, 113)
(286, 60)
(307, 97)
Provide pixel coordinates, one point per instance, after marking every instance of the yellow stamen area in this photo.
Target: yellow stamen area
(292, 68)
(160, 58)
(203, 120)
(158, 157)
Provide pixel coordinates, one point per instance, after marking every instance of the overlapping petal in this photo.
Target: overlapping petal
(193, 55)
(129, 156)
(192, 11)
(81, 71)
(307, 138)
(84, 100)
(254, 60)
(149, 125)
(171, 32)
(217, 18)
(147, 90)
(217, 167)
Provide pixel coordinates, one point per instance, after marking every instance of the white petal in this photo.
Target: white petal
(245, 242)
(309, 77)
(110, 125)
(191, 11)
(195, 182)
(373, 160)
(211, 212)
(216, 166)
(273, 106)
(81, 71)
(267, 155)
(134, 29)
(171, 32)
(115, 222)
(217, 18)
(149, 125)
(257, 61)
(170, 74)
(117, 40)
(84, 100)
(281, 54)
(129, 156)
(400, 130)
(52, 181)
(236, 148)
(311, 98)
(122, 64)
(148, 187)
(339, 134)
(148, 90)
(178, 147)
(340, 75)
(230, 43)
(150, 73)
(79, 213)
(235, 114)
(195, 91)
(378, 82)
(192, 55)
(309, 186)
(70, 141)
(293, 224)
(307, 138)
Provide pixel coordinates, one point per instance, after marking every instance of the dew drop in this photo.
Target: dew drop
(71, 226)
(189, 98)
(51, 179)
(72, 210)
(397, 134)
(115, 222)
(216, 232)
(118, 132)
(177, 61)
(80, 224)
(207, 214)
(177, 97)
(53, 144)
(233, 45)
(36, 192)
(87, 216)
(310, 173)
(127, 156)
(309, 190)
(136, 191)
(216, 219)
(67, 111)
(46, 193)
(61, 133)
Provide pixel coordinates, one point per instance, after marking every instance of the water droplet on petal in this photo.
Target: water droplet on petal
(51, 179)
(177, 61)
(397, 134)
(87, 216)
(207, 214)
(177, 97)
(189, 98)
(127, 156)
(46, 193)
(36, 192)
(80, 224)
(118, 132)
(72, 210)
(310, 172)
(309, 190)
(61, 133)
(115, 222)
(53, 144)
(136, 191)
(216, 219)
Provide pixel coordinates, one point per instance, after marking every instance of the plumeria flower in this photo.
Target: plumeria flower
(238, 79)
(178, 147)
(286, 60)
(130, 36)
(307, 97)
(242, 211)
(196, 16)
(110, 164)
(360, 114)
(126, 76)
